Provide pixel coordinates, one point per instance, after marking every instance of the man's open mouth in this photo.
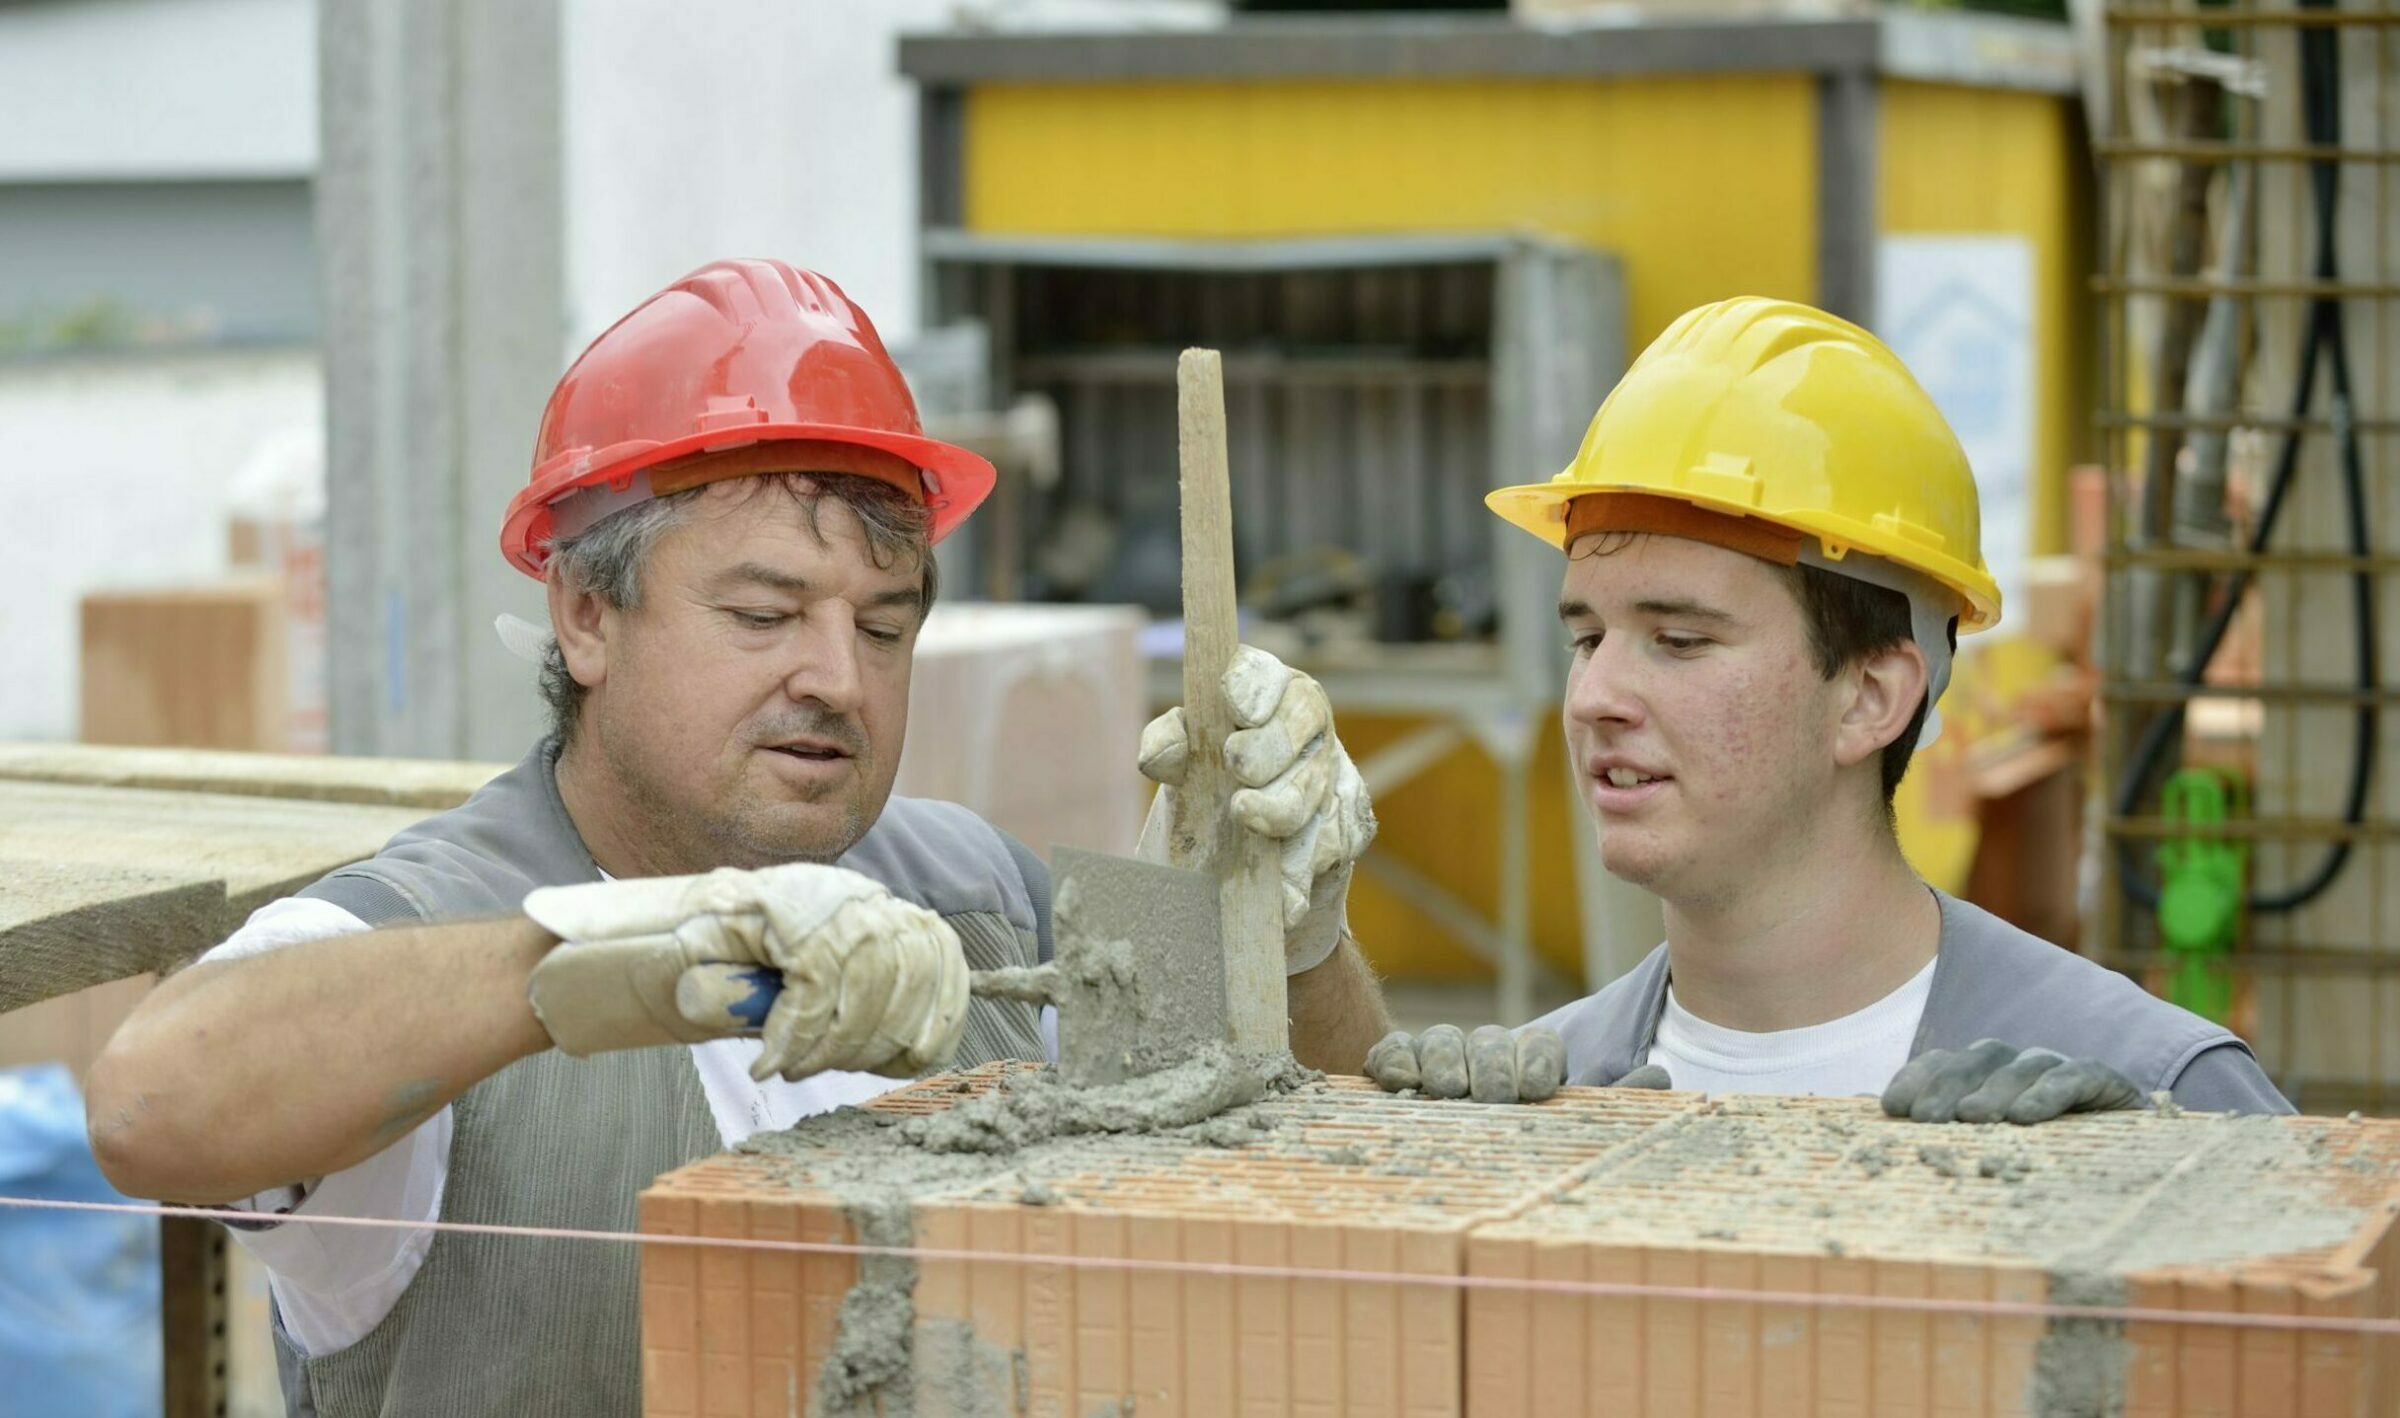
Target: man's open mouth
(814, 753)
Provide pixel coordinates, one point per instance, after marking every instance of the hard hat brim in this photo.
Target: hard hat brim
(960, 478)
(1541, 509)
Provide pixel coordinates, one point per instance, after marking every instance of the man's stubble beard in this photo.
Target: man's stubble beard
(706, 836)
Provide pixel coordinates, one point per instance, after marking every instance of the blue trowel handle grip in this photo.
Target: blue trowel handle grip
(725, 995)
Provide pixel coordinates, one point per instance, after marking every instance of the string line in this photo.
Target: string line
(1597, 1289)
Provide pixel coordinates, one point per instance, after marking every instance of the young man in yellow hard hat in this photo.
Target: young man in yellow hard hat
(1772, 541)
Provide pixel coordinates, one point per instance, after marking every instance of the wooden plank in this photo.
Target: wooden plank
(201, 665)
(261, 848)
(192, 1274)
(99, 884)
(1250, 918)
(432, 784)
(65, 926)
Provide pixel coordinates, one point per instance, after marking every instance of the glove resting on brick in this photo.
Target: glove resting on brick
(1989, 1081)
(1492, 1065)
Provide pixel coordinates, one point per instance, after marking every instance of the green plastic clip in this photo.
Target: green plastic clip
(2201, 888)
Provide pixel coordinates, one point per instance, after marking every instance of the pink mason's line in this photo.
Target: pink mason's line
(1602, 1289)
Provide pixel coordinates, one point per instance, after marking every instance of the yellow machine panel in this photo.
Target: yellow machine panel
(1705, 187)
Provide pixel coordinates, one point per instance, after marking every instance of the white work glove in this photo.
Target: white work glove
(869, 982)
(1299, 788)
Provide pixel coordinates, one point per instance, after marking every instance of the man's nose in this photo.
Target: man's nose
(1601, 688)
(827, 670)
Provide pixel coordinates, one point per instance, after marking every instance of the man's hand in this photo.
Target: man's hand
(1299, 788)
(1492, 1065)
(870, 982)
(1989, 1081)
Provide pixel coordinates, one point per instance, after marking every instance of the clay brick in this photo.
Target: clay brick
(1828, 1197)
(1749, 1197)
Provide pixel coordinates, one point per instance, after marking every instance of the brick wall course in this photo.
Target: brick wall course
(1764, 1196)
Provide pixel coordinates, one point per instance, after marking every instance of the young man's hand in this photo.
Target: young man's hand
(870, 983)
(1299, 788)
(1989, 1082)
(1492, 1065)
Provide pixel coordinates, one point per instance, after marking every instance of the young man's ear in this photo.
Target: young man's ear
(1885, 689)
(581, 622)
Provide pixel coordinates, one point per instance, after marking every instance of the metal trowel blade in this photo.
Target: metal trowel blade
(1142, 961)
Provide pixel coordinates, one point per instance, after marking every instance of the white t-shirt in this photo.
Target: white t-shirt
(332, 1284)
(1857, 1053)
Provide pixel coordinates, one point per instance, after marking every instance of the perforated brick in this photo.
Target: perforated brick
(1753, 1196)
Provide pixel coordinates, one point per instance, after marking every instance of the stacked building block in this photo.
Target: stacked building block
(1356, 1191)
(1822, 1197)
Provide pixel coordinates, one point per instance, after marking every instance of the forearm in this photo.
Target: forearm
(238, 1076)
(1337, 1011)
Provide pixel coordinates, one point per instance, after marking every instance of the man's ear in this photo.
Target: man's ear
(581, 621)
(1885, 689)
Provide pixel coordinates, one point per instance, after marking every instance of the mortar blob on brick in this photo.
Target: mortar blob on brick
(878, 1171)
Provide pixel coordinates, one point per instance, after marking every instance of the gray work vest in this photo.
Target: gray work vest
(505, 1325)
(1990, 981)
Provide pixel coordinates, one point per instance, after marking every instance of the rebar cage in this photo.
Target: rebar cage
(2250, 253)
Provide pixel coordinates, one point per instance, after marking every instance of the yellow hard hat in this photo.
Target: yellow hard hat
(1773, 410)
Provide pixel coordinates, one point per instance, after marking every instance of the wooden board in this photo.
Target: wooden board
(65, 926)
(199, 665)
(261, 848)
(432, 784)
(99, 884)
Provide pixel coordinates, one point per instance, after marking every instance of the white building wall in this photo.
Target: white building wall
(698, 129)
(158, 89)
(715, 128)
(122, 472)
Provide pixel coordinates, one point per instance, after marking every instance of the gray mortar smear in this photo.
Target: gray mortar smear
(2079, 1365)
(2140, 1191)
(877, 1165)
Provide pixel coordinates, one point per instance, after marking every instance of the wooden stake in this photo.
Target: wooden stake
(1250, 887)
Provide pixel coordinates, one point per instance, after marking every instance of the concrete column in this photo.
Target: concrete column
(440, 225)
(1846, 163)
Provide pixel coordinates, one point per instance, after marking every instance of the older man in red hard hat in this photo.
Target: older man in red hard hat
(734, 508)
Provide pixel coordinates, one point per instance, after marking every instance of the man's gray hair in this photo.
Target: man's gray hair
(608, 559)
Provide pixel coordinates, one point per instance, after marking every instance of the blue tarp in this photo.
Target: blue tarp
(78, 1289)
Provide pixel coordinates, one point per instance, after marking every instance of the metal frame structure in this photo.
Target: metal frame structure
(1848, 57)
(2321, 1009)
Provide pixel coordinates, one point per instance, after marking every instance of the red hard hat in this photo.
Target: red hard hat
(736, 353)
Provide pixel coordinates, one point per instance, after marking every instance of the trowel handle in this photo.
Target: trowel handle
(1211, 630)
(726, 995)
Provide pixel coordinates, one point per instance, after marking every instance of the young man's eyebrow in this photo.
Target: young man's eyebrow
(1676, 609)
(1683, 608)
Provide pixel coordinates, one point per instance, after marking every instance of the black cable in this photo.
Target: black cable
(2320, 83)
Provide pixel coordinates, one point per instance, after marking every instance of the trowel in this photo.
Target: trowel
(1138, 980)
(1154, 961)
